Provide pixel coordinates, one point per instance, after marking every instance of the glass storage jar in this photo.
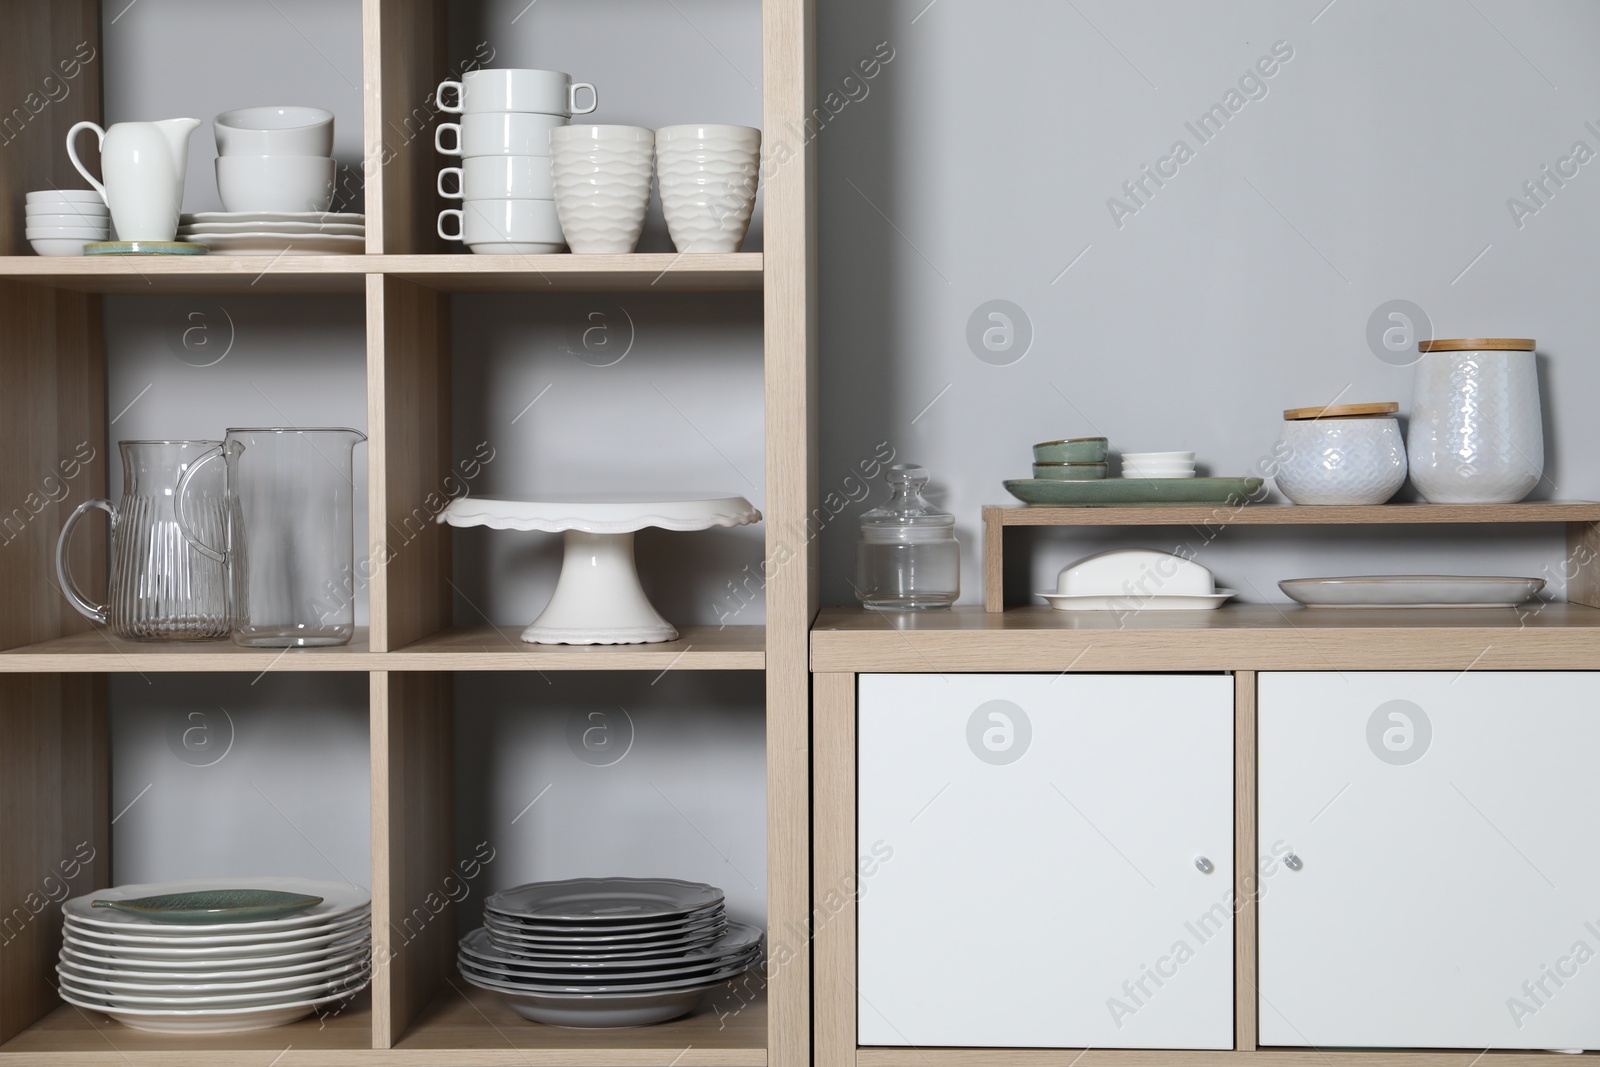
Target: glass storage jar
(908, 557)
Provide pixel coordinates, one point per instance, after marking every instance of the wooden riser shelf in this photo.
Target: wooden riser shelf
(482, 648)
(645, 272)
(1536, 636)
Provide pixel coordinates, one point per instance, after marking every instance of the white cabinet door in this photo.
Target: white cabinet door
(1448, 890)
(1037, 839)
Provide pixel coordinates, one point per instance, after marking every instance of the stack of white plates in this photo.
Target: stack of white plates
(201, 969)
(271, 233)
(597, 952)
(1158, 464)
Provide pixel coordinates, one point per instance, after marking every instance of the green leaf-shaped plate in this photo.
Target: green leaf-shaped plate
(214, 906)
(1112, 492)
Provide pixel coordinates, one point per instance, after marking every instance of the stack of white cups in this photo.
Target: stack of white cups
(504, 182)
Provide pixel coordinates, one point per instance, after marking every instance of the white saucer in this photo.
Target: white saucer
(269, 244)
(340, 228)
(352, 217)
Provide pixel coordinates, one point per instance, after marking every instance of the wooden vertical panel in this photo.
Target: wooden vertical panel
(408, 425)
(413, 788)
(833, 750)
(1583, 563)
(791, 569)
(49, 79)
(54, 843)
(1244, 860)
(994, 560)
(52, 437)
(403, 59)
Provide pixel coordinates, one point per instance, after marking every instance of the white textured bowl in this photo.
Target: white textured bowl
(1340, 461)
(274, 131)
(74, 196)
(57, 246)
(708, 177)
(602, 185)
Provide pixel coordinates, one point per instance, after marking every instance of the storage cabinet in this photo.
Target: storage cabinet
(1445, 890)
(1044, 860)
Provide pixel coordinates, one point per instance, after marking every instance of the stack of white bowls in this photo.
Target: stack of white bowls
(275, 159)
(505, 183)
(1158, 464)
(61, 221)
(708, 177)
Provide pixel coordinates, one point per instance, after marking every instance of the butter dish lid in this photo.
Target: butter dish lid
(1135, 571)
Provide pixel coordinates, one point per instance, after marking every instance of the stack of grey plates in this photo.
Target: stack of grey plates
(600, 952)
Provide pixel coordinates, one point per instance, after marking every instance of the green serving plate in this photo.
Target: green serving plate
(1112, 492)
(144, 248)
(214, 906)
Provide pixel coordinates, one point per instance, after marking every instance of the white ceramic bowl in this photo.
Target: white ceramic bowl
(59, 246)
(1340, 461)
(497, 133)
(77, 221)
(75, 196)
(82, 209)
(1157, 457)
(708, 177)
(503, 222)
(275, 183)
(83, 233)
(602, 185)
(500, 178)
(1158, 474)
(274, 131)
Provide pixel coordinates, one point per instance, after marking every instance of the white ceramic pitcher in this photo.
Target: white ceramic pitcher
(144, 165)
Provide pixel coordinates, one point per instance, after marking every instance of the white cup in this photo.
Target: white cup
(275, 183)
(602, 178)
(500, 178)
(503, 221)
(541, 92)
(708, 177)
(498, 133)
(274, 131)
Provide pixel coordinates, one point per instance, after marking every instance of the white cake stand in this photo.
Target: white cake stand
(598, 598)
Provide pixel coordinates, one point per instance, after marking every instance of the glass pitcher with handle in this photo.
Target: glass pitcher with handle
(158, 587)
(289, 546)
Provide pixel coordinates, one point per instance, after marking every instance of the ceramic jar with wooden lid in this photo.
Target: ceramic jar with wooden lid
(1477, 435)
(1341, 454)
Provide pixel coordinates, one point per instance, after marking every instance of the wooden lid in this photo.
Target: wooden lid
(1341, 411)
(1477, 344)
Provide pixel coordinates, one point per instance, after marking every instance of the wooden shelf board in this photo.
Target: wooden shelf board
(1294, 515)
(466, 1025)
(652, 272)
(1271, 1057)
(73, 1037)
(491, 648)
(98, 652)
(1538, 635)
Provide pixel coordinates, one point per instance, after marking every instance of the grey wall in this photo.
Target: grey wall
(1377, 166)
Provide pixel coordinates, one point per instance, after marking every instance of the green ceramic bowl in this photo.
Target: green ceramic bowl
(1072, 450)
(1069, 472)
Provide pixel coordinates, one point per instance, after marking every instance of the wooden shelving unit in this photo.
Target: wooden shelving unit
(54, 737)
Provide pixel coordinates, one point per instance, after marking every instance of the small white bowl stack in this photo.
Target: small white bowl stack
(216, 977)
(504, 182)
(61, 221)
(1158, 464)
(604, 952)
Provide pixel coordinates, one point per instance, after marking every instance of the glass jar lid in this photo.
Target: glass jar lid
(905, 510)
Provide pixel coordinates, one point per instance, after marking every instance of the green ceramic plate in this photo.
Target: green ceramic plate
(1110, 492)
(214, 906)
(144, 248)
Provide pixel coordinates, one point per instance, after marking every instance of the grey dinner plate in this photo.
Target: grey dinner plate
(597, 901)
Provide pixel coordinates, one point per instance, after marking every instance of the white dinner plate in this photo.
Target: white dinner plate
(597, 901)
(738, 938)
(339, 899)
(270, 244)
(205, 1020)
(354, 218)
(252, 966)
(1412, 591)
(485, 980)
(344, 228)
(227, 985)
(529, 928)
(1127, 604)
(282, 952)
(598, 982)
(601, 1010)
(156, 935)
(666, 935)
(261, 999)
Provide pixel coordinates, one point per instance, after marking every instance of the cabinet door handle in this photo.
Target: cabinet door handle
(1292, 862)
(1203, 865)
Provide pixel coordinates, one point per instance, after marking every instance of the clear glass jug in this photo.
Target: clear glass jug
(290, 543)
(908, 558)
(157, 588)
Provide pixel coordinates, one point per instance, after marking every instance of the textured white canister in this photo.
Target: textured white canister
(1341, 460)
(1476, 435)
